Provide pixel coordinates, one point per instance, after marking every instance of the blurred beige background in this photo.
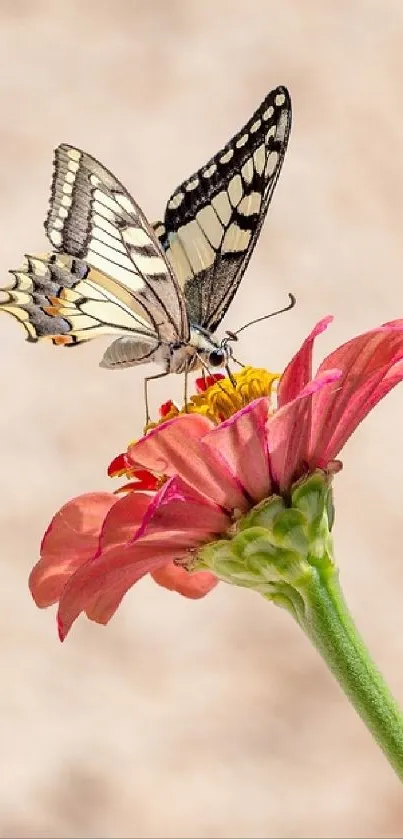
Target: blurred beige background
(215, 718)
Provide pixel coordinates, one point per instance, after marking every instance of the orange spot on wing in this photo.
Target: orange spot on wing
(51, 310)
(62, 340)
(63, 295)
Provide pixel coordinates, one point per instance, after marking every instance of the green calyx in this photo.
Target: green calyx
(279, 548)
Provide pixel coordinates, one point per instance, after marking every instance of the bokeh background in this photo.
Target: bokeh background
(212, 718)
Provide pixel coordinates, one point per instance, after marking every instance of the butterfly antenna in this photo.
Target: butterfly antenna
(233, 335)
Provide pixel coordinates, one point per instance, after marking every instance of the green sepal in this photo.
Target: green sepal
(278, 543)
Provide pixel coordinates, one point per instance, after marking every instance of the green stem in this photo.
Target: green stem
(284, 551)
(327, 622)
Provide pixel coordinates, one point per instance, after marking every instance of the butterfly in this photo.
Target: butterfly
(165, 287)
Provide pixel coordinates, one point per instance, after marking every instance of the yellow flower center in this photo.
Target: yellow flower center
(226, 396)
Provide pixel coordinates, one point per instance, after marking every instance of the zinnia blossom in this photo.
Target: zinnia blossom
(192, 477)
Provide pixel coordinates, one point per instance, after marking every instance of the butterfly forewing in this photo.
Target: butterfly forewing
(213, 220)
(93, 217)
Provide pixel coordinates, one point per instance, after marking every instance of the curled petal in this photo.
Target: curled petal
(166, 408)
(175, 578)
(118, 466)
(71, 540)
(298, 372)
(289, 432)
(242, 442)
(123, 520)
(204, 382)
(176, 521)
(194, 586)
(181, 513)
(175, 448)
(98, 587)
(144, 481)
(370, 366)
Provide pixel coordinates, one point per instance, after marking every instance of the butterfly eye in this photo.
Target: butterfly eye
(216, 358)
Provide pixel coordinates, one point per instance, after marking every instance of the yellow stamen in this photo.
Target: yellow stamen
(226, 397)
(223, 398)
(169, 415)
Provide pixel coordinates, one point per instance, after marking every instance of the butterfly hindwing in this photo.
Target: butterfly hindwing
(93, 217)
(62, 297)
(213, 220)
(29, 297)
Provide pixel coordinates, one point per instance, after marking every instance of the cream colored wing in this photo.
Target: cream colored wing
(93, 217)
(63, 298)
(213, 220)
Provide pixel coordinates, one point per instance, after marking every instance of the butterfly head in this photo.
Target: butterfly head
(205, 350)
(218, 357)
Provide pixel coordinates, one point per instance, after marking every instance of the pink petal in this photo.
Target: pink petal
(242, 442)
(393, 324)
(370, 368)
(175, 578)
(170, 576)
(98, 587)
(289, 432)
(177, 521)
(175, 448)
(298, 372)
(70, 540)
(181, 513)
(124, 519)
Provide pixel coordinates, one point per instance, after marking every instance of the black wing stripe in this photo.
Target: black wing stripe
(93, 217)
(217, 214)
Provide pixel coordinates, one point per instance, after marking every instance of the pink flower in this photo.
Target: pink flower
(99, 545)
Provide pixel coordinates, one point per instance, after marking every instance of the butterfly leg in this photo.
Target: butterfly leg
(239, 363)
(230, 376)
(146, 381)
(185, 390)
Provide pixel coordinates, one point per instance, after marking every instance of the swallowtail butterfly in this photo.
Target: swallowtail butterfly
(163, 288)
